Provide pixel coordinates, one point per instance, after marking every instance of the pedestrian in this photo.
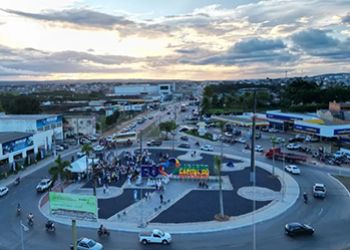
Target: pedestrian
(104, 188)
(161, 198)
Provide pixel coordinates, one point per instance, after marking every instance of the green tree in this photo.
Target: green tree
(206, 105)
(167, 126)
(87, 149)
(59, 172)
(22, 104)
(112, 118)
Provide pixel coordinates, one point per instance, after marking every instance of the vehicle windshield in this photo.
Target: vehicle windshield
(318, 188)
(91, 243)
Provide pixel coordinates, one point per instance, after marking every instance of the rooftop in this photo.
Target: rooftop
(26, 117)
(10, 136)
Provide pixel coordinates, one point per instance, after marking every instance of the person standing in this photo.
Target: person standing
(161, 198)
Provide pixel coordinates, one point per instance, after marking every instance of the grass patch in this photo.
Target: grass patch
(343, 179)
(207, 136)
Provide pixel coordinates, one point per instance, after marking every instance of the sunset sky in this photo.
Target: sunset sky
(183, 39)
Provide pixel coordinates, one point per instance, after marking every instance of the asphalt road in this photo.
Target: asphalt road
(330, 217)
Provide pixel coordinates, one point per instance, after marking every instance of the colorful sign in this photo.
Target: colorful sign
(48, 121)
(17, 145)
(193, 171)
(80, 207)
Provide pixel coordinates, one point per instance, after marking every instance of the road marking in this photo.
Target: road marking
(319, 213)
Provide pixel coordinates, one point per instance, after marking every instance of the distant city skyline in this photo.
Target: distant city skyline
(185, 39)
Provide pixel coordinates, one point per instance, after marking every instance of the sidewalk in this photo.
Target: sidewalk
(35, 167)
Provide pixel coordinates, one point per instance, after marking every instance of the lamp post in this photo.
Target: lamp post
(22, 228)
(253, 169)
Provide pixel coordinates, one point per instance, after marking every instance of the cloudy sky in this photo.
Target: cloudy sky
(183, 39)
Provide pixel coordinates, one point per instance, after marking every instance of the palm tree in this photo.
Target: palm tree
(87, 148)
(59, 170)
(217, 164)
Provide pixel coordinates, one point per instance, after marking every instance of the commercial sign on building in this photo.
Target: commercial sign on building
(306, 129)
(345, 131)
(48, 121)
(282, 117)
(80, 207)
(17, 145)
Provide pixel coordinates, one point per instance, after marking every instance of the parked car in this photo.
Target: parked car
(293, 169)
(184, 145)
(155, 236)
(184, 138)
(207, 147)
(280, 140)
(87, 244)
(44, 185)
(319, 190)
(3, 191)
(154, 143)
(296, 228)
(293, 146)
(259, 148)
(59, 148)
(241, 140)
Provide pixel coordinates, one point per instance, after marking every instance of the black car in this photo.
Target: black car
(154, 143)
(296, 228)
(184, 145)
(184, 138)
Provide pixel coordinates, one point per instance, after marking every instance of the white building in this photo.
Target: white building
(80, 124)
(144, 89)
(45, 128)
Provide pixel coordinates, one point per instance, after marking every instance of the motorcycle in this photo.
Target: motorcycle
(305, 198)
(50, 226)
(18, 211)
(197, 144)
(17, 181)
(103, 232)
(30, 222)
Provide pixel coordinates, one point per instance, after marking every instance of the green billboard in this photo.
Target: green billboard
(82, 207)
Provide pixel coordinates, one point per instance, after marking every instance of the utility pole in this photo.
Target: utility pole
(74, 234)
(253, 169)
(142, 225)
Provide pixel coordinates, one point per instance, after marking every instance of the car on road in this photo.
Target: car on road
(154, 143)
(84, 141)
(155, 236)
(293, 146)
(259, 148)
(87, 244)
(280, 140)
(184, 145)
(184, 138)
(44, 185)
(207, 147)
(296, 228)
(3, 191)
(319, 190)
(293, 169)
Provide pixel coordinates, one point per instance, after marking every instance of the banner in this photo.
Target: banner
(17, 145)
(79, 207)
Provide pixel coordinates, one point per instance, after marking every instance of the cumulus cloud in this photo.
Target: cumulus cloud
(320, 43)
(34, 61)
(255, 50)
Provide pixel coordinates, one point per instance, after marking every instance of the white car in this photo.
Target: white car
(293, 169)
(319, 190)
(242, 140)
(207, 147)
(44, 185)
(3, 191)
(155, 236)
(87, 244)
(59, 148)
(98, 148)
(259, 148)
(293, 146)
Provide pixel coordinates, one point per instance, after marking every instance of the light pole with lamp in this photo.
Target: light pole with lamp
(22, 228)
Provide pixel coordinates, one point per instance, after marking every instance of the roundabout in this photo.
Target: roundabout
(187, 206)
